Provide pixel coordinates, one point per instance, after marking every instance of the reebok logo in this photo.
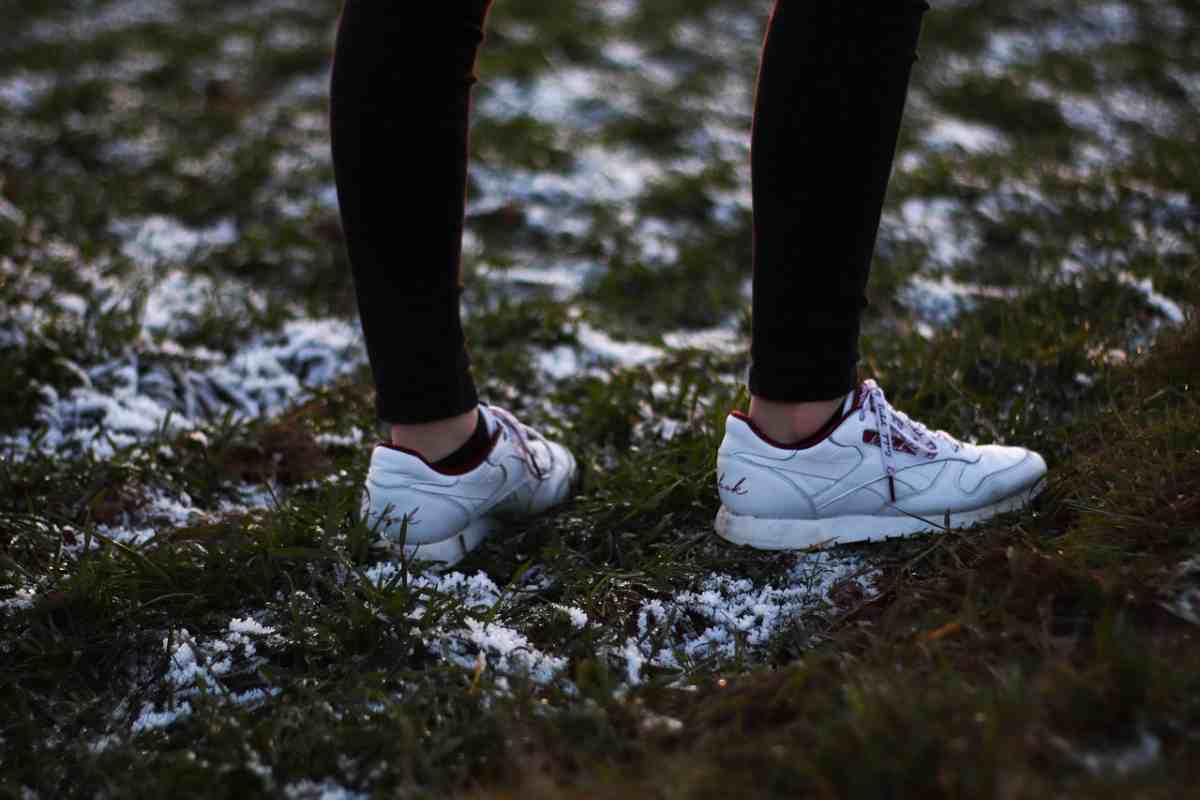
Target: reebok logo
(737, 488)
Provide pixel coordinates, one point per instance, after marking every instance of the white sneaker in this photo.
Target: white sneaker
(877, 474)
(442, 516)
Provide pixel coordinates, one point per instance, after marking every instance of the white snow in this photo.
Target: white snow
(940, 301)
(150, 719)
(199, 667)
(113, 16)
(578, 616)
(565, 279)
(129, 398)
(160, 511)
(348, 440)
(510, 649)
(1093, 26)
(736, 619)
(607, 349)
(736, 616)
(724, 339)
(21, 600)
(328, 789)
(1114, 760)
(941, 225)
(597, 350)
(551, 98)
(559, 362)
(1163, 304)
(176, 302)
(948, 132)
(22, 90)
(13, 215)
(249, 626)
(159, 239)
(506, 650)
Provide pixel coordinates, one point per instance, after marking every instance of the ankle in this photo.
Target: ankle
(438, 439)
(792, 422)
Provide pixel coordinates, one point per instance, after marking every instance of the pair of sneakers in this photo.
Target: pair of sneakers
(873, 474)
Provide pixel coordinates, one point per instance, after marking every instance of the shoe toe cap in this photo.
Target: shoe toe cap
(1003, 471)
(559, 478)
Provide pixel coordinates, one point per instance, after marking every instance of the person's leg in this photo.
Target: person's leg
(400, 112)
(400, 107)
(831, 90)
(821, 459)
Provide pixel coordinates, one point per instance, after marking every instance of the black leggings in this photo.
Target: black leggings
(830, 94)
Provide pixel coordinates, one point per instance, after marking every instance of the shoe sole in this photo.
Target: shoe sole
(448, 551)
(763, 533)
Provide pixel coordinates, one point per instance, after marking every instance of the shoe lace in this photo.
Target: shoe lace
(521, 435)
(889, 422)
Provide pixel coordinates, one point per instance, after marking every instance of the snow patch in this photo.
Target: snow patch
(505, 650)
(23, 90)
(940, 302)
(1171, 310)
(159, 239)
(723, 339)
(200, 668)
(608, 349)
(127, 399)
(728, 616)
(939, 224)
(21, 600)
(949, 132)
(578, 617)
(328, 789)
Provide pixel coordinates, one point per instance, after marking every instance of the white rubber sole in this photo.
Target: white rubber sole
(448, 551)
(764, 533)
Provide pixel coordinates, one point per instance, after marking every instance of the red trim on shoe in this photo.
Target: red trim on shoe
(816, 438)
(858, 398)
(463, 470)
(805, 443)
(871, 437)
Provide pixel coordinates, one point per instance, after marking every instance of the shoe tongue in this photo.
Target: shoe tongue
(489, 421)
(853, 399)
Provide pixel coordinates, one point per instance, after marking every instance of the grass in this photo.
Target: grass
(189, 604)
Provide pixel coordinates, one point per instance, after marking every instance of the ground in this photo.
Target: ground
(188, 600)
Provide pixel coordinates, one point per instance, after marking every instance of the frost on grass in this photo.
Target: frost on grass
(21, 600)
(113, 16)
(940, 302)
(161, 511)
(947, 132)
(129, 398)
(595, 352)
(728, 617)
(1168, 308)
(578, 616)
(127, 390)
(942, 225)
(504, 648)
(1114, 760)
(22, 90)
(328, 789)
(160, 239)
(198, 667)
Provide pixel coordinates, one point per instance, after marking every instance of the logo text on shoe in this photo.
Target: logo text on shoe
(737, 488)
(898, 442)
